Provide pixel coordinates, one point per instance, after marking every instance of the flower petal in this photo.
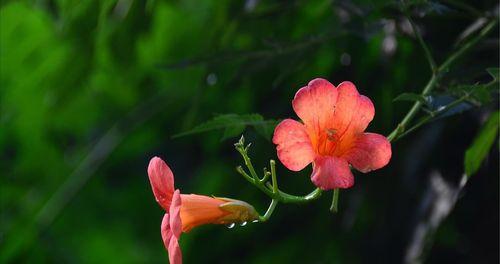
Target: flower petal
(175, 218)
(370, 152)
(315, 105)
(199, 210)
(365, 111)
(293, 145)
(162, 181)
(174, 251)
(352, 115)
(171, 229)
(331, 173)
(353, 111)
(166, 233)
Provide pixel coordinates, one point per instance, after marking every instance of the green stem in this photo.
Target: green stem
(468, 45)
(431, 84)
(269, 189)
(248, 163)
(433, 114)
(277, 195)
(335, 201)
(266, 175)
(427, 51)
(269, 211)
(400, 128)
(273, 176)
(288, 198)
(255, 182)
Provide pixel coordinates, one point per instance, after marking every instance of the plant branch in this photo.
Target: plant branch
(436, 76)
(434, 114)
(289, 198)
(427, 51)
(273, 176)
(468, 45)
(270, 189)
(269, 211)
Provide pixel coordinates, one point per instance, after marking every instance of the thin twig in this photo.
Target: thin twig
(267, 188)
(269, 211)
(401, 127)
(273, 175)
(434, 114)
(425, 47)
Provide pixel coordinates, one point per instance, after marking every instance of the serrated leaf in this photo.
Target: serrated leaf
(479, 149)
(494, 72)
(266, 129)
(482, 94)
(233, 131)
(233, 125)
(410, 97)
(477, 93)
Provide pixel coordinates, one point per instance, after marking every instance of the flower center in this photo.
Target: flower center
(332, 134)
(327, 144)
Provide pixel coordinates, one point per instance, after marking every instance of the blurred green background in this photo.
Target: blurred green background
(91, 90)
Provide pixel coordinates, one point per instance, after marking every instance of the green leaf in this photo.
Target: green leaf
(410, 97)
(233, 131)
(478, 93)
(476, 153)
(494, 72)
(482, 93)
(234, 125)
(266, 129)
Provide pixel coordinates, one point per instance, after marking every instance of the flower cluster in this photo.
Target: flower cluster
(331, 136)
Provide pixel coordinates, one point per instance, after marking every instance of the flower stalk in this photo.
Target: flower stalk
(334, 208)
(269, 188)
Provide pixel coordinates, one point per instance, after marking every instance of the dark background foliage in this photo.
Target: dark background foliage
(91, 90)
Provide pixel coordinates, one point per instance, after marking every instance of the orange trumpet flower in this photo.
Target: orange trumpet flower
(186, 211)
(331, 135)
